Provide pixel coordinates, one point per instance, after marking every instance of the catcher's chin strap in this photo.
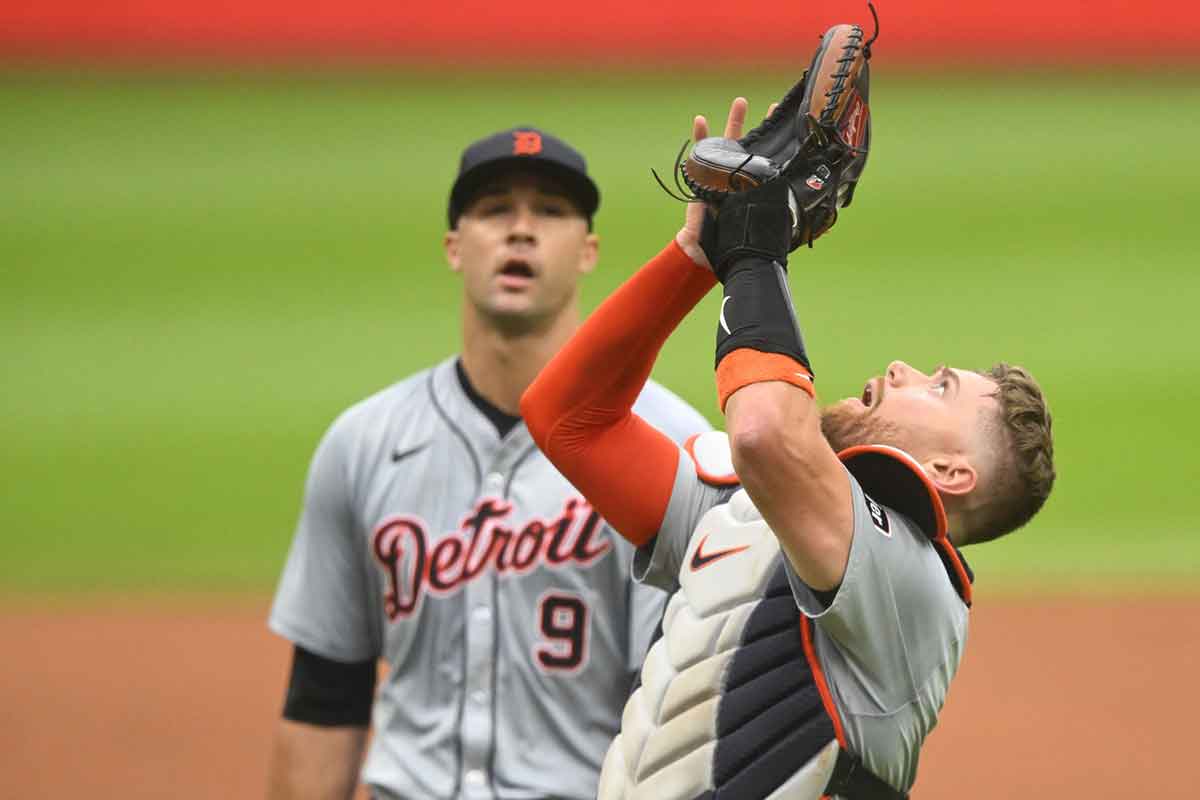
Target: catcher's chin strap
(853, 781)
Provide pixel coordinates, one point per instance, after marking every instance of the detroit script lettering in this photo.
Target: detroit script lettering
(486, 538)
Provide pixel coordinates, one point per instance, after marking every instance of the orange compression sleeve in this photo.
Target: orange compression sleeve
(580, 408)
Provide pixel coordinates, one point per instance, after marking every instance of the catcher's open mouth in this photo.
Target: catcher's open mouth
(868, 394)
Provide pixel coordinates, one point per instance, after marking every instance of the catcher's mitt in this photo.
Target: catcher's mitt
(817, 138)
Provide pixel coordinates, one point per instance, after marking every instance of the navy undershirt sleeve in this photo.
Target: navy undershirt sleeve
(325, 692)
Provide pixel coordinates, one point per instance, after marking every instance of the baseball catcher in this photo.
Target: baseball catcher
(820, 601)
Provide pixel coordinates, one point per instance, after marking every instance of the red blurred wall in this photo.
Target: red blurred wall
(615, 31)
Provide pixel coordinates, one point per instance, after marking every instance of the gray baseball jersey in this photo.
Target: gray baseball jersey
(888, 644)
(501, 602)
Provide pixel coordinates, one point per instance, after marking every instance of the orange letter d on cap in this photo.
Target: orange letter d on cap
(527, 143)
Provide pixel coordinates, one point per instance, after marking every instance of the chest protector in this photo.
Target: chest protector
(733, 704)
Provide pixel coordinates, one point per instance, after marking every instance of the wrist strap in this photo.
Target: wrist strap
(744, 367)
(757, 312)
(758, 338)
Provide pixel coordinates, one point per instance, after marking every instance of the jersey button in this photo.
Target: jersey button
(495, 481)
(475, 777)
(479, 696)
(482, 614)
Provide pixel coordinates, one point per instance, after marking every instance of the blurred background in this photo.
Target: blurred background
(220, 224)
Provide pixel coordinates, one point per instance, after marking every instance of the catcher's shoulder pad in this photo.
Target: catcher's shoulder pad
(713, 458)
(894, 478)
(891, 477)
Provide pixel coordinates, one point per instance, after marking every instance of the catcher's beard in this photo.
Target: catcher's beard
(845, 426)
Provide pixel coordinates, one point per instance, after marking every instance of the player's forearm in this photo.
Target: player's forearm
(794, 478)
(579, 409)
(765, 385)
(312, 762)
(773, 437)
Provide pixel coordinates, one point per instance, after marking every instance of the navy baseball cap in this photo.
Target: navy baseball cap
(528, 148)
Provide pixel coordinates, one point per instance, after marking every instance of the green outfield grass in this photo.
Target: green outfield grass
(198, 273)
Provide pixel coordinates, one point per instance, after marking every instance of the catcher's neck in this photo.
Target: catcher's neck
(501, 364)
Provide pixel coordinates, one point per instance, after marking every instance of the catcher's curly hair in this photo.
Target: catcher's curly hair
(1024, 464)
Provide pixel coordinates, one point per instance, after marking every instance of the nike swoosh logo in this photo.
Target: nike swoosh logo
(399, 455)
(725, 324)
(700, 559)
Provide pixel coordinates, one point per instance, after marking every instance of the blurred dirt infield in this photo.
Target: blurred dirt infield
(1056, 699)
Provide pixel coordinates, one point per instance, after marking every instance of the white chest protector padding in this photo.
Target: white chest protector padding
(668, 731)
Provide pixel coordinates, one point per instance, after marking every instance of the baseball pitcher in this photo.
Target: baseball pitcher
(435, 537)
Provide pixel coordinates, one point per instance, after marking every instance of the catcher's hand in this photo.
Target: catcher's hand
(688, 237)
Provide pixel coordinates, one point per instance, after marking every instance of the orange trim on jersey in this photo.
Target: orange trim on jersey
(730, 479)
(964, 580)
(819, 678)
(745, 366)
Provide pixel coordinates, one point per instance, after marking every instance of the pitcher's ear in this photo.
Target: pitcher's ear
(450, 244)
(591, 253)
